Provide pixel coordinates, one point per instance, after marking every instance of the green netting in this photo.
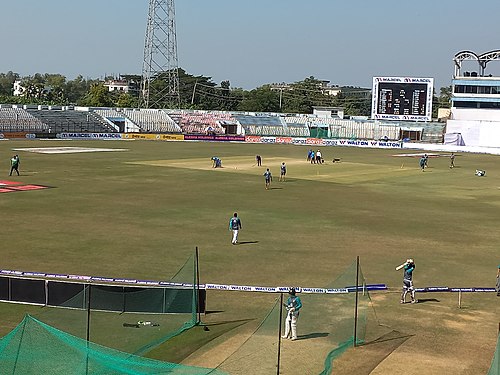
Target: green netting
(325, 330)
(121, 331)
(495, 366)
(319, 132)
(37, 348)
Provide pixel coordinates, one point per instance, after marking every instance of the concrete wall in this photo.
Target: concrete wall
(476, 133)
(475, 114)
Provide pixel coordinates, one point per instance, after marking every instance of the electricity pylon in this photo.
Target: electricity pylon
(160, 69)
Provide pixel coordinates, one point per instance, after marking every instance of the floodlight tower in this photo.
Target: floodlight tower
(160, 69)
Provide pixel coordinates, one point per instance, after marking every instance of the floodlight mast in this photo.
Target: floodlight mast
(160, 69)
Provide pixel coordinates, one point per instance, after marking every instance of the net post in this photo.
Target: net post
(356, 305)
(88, 331)
(279, 335)
(459, 299)
(197, 295)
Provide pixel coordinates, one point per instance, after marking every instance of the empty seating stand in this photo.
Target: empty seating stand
(65, 120)
(19, 120)
(152, 120)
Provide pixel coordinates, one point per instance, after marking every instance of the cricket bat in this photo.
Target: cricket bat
(400, 266)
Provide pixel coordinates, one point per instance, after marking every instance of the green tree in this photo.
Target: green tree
(355, 101)
(77, 89)
(126, 100)
(98, 96)
(7, 83)
(261, 99)
(445, 97)
(441, 101)
(302, 96)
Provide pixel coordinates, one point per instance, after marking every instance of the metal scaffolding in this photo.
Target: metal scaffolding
(160, 69)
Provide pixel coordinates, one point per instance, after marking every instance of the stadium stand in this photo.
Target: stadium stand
(354, 129)
(202, 122)
(19, 120)
(152, 120)
(68, 120)
(112, 117)
(262, 125)
(46, 119)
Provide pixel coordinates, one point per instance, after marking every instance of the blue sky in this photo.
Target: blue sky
(251, 43)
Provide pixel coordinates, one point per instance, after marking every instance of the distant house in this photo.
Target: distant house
(124, 84)
(117, 85)
(328, 112)
(19, 90)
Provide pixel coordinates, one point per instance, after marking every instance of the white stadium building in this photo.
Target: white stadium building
(475, 103)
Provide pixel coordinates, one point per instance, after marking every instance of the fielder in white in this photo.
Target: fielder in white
(293, 306)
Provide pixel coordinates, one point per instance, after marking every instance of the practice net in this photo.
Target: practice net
(495, 365)
(34, 347)
(56, 338)
(326, 328)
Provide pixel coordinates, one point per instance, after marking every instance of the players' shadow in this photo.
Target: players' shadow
(247, 242)
(275, 188)
(424, 300)
(313, 335)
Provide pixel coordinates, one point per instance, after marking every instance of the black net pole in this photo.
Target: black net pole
(197, 287)
(88, 314)
(356, 304)
(279, 335)
(88, 331)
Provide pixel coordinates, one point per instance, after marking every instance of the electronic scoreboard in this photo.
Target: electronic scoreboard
(402, 98)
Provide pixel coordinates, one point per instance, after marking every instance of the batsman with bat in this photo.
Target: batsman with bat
(293, 305)
(408, 268)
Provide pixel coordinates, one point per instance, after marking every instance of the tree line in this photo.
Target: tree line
(196, 92)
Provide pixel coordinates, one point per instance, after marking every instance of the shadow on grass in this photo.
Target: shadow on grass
(180, 347)
(365, 358)
(247, 242)
(313, 335)
(424, 300)
(391, 336)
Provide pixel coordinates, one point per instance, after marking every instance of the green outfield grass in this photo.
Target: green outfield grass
(140, 213)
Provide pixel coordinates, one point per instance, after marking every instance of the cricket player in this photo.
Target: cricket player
(235, 226)
(408, 269)
(282, 171)
(293, 306)
(14, 165)
(422, 163)
(268, 177)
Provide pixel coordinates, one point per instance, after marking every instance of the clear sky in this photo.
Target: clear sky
(253, 42)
